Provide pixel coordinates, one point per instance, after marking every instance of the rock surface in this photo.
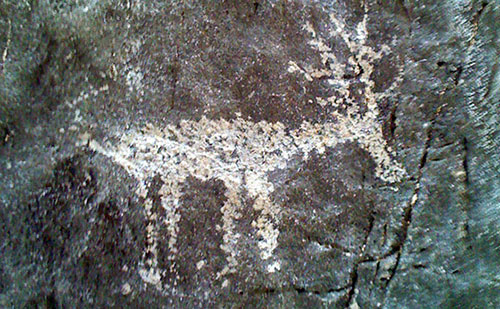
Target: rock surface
(260, 154)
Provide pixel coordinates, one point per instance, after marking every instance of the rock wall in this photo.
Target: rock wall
(249, 153)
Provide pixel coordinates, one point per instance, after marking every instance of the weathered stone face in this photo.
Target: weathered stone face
(249, 153)
(327, 215)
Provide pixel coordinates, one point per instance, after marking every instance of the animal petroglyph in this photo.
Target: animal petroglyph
(242, 153)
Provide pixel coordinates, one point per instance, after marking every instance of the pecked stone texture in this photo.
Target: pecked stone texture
(260, 154)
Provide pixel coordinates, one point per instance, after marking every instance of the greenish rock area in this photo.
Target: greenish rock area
(250, 154)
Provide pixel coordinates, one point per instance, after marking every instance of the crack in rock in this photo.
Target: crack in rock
(397, 248)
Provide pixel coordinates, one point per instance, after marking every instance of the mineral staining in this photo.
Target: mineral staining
(242, 153)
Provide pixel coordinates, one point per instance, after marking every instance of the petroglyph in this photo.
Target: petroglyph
(242, 153)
